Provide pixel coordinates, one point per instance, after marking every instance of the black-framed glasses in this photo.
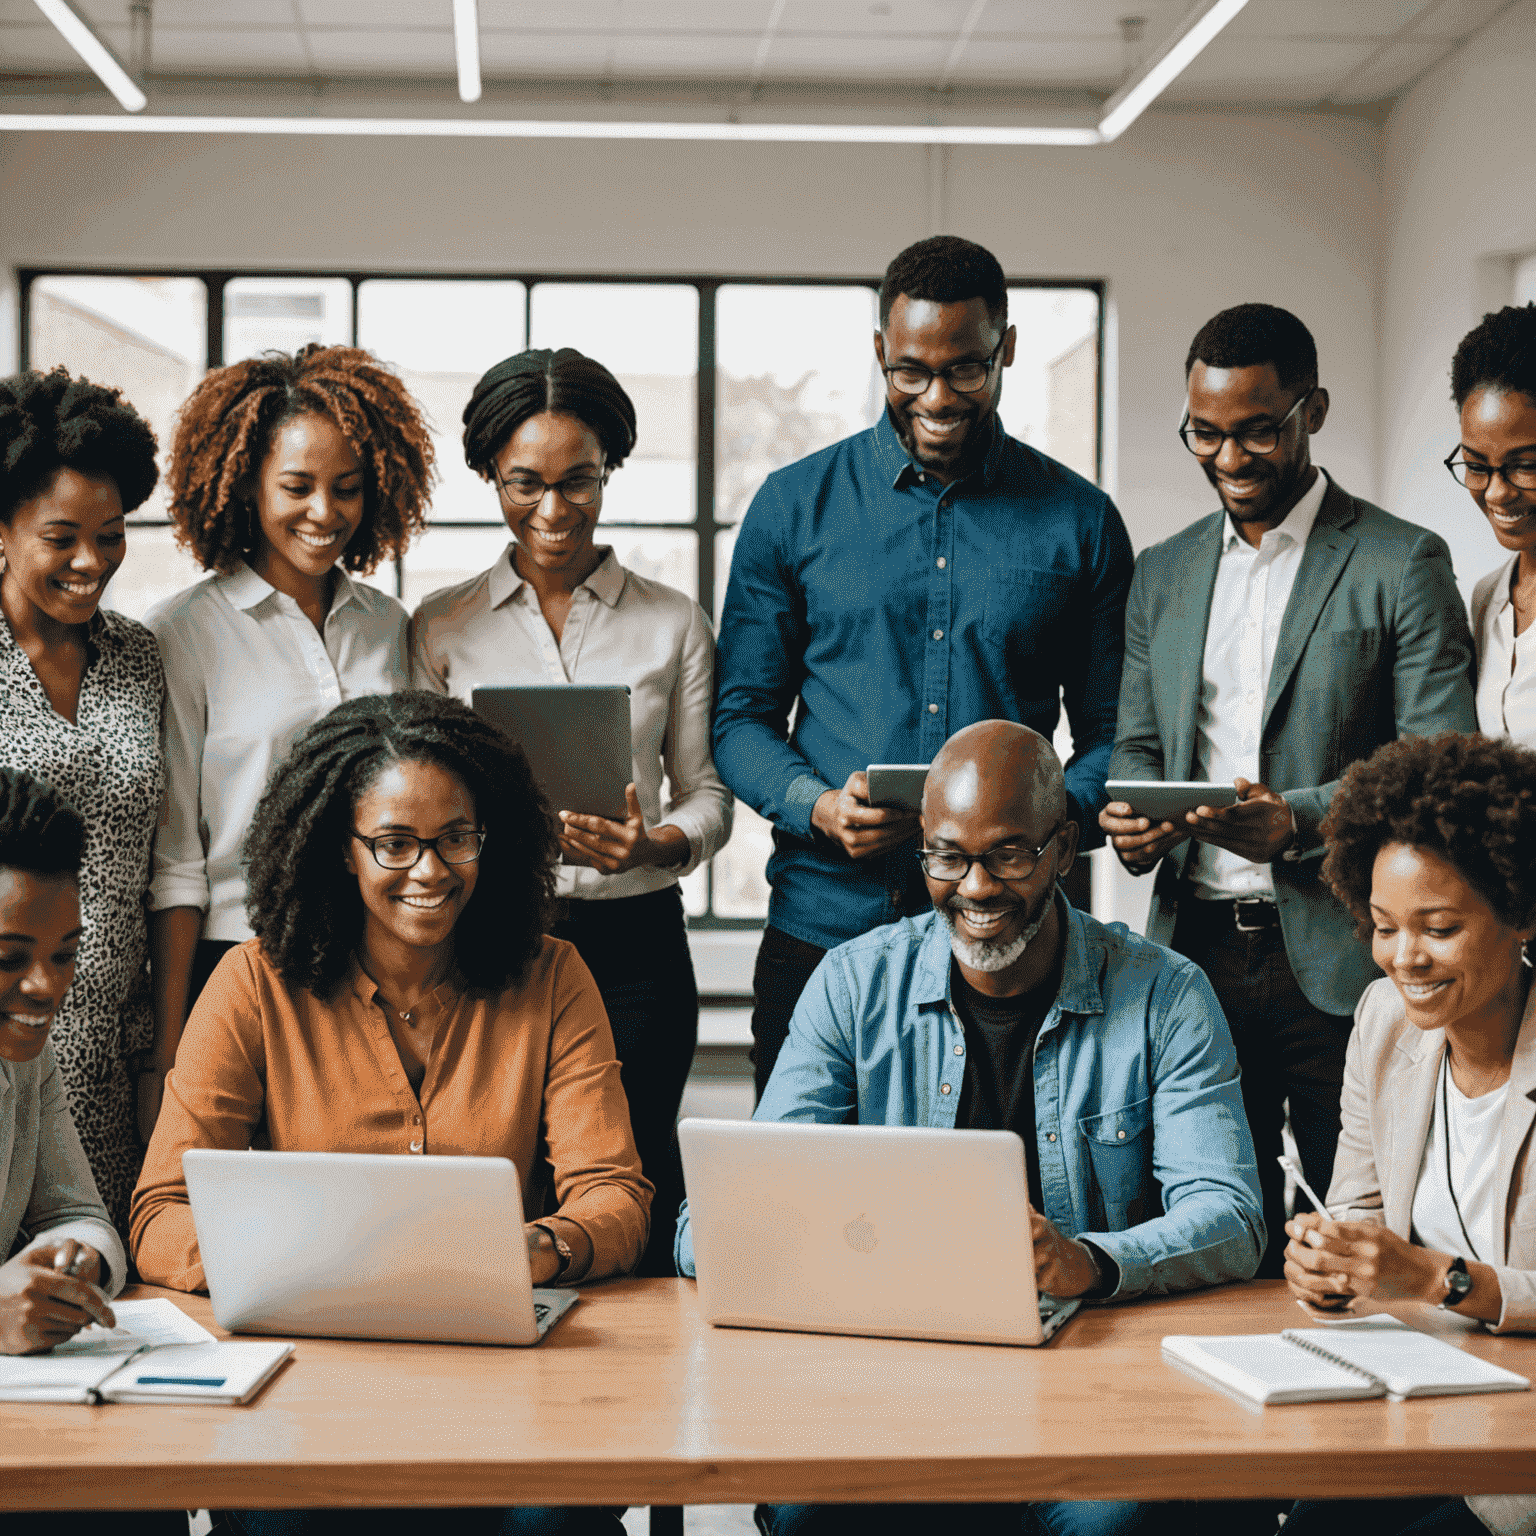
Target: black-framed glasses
(1206, 442)
(399, 850)
(963, 378)
(1518, 476)
(1008, 861)
(524, 490)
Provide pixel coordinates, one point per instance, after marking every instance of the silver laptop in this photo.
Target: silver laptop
(918, 1234)
(349, 1245)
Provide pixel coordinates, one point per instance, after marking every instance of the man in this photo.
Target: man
(1106, 1054)
(1271, 645)
(919, 576)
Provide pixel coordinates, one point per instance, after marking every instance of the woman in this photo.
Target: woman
(286, 474)
(547, 429)
(401, 866)
(81, 693)
(1493, 380)
(1430, 845)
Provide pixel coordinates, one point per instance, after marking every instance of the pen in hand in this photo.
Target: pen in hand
(70, 1263)
(1290, 1165)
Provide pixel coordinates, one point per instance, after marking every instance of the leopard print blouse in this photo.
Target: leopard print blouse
(110, 768)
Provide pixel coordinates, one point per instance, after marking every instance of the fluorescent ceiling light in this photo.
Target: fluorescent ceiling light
(1172, 59)
(466, 48)
(81, 36)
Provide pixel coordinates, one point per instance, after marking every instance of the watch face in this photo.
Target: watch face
(1458, 1280)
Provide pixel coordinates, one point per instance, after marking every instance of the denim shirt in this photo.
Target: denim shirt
(887, 611)
(1142, 1139)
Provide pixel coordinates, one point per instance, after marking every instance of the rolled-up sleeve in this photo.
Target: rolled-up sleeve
(701, 805)
(180, 875)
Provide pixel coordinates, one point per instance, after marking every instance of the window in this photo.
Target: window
(730, 379)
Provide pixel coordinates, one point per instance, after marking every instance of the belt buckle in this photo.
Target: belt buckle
(1238, 904)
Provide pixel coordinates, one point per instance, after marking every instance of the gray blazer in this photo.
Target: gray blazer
(45, 1182)
(1391, 1070)
(1374, 645)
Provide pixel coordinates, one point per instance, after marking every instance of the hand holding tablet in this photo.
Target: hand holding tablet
(1146, 819)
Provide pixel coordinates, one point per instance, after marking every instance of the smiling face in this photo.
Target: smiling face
(1499, 427)
(1448, 953)
(62, 547)
(39, 934)
(415, 907)
(309, 501)
(942, 428)
(554, 535)
(1255, 488)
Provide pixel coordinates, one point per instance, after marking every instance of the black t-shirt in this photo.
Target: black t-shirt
(998, 1093)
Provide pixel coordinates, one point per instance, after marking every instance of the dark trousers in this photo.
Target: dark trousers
(783, 967)
(1383, 1517)
(637, 950)
(1287, 1049)
(531, 1521)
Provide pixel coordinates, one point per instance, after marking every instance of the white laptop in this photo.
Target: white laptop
(348, 1245)
(919, 1234)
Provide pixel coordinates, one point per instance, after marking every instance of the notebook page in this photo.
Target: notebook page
(1409, 1363)
(140, 1324)
(1265, 1368)
(47, 1379)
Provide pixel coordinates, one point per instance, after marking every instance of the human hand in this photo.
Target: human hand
(598, 842)
(1063, 1266)
(41, 1306)
(1139, 842)
(859, 828)
(1258, 828)
(149, 1092)
(543, 1256)
(1328, 1260)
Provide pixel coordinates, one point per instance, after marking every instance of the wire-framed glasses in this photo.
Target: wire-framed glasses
(963, 378)
(1205, 442)
(399, 850)
(1008, 861)
(525, 490)
(1518, 475)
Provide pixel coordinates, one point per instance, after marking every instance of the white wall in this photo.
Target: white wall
(1460, 213)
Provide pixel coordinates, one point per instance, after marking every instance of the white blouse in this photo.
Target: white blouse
(1506, 662)
(622, 628)
(245, 673)
(1474, 1156)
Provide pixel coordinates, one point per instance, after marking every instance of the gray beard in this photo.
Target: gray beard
(981, 954)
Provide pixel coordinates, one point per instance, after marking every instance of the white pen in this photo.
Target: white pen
(73, 1268)
(1290, 1166)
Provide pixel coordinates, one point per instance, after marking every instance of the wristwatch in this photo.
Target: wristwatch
(1458, 1283)
(562, 1251)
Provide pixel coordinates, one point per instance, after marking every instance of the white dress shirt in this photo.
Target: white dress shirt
(622, 628)
(245, 673)
(1506, 662)
(1248, 604)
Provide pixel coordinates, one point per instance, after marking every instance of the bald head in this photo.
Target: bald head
(999, 776)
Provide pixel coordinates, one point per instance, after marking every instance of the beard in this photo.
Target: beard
(983, 954)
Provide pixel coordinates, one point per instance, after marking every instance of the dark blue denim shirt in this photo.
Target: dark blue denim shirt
(895, 611)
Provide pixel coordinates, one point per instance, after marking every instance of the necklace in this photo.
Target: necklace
(1445, 1130)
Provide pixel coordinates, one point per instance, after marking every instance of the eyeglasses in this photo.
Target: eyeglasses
(1519, 476)
(398, 850)
(963, 378)
(528, 490)
(1206, 442)
(1006, 862)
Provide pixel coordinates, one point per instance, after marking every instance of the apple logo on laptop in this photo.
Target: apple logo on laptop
(860, 1235)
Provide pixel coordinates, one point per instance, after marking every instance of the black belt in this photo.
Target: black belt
(1246, 914)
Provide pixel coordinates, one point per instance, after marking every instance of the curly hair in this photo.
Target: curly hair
(1470, 799)
(50, 421)
(225, 430)
(306, 908)
(40, 831)
(566, 382)
(1250, 334)
(1498, 354)
(946, 270)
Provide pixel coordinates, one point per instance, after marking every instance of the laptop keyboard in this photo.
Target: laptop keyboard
(540, 1312)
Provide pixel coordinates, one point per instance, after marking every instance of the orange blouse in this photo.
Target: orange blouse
(529, 1074)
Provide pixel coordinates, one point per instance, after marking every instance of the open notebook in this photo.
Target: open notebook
(1375, 1357)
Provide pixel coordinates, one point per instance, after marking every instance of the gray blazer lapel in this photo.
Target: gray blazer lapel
(1188, 619)
(1407, 1112)
(1322, 563)
(1515, 1124)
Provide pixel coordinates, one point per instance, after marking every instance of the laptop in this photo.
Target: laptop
(356, 1246)
(905, 1233)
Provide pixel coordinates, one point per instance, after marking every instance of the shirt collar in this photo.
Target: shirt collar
(606, 582)
(431, 1007)
(1297, 526)
(246, 590)
(99, 637)
(905, 471)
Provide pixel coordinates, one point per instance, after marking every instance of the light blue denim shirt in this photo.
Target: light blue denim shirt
(1143, 1143)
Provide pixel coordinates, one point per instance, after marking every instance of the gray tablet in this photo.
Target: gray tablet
(1169, 800)
(897, 784)
(576, 737)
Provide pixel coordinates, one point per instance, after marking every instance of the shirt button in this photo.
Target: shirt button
(415, 1119)
(933, 709)
(938, 634)
(415, 1146)
(943, 1087)
(1120, 1134)
(1050, 1135)
(959, 1050)
(942, 562)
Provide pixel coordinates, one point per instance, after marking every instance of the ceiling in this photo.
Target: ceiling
(1277, 52)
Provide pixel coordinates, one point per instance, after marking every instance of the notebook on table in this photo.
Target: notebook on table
(1376, 1357)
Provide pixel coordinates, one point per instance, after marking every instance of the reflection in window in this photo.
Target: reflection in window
(1051, 394)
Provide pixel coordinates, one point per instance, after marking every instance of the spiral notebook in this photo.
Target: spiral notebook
(1376, 1357)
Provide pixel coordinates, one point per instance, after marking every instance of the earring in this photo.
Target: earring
(1525, 956)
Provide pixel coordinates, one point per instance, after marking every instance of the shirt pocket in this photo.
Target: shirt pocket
(1024, 612)
(1119, 1145)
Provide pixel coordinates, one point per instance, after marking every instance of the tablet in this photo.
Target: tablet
(897, 784)
(576, 738)
(1169, 800)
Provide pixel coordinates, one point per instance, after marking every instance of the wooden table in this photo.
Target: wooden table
(633, 1400)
